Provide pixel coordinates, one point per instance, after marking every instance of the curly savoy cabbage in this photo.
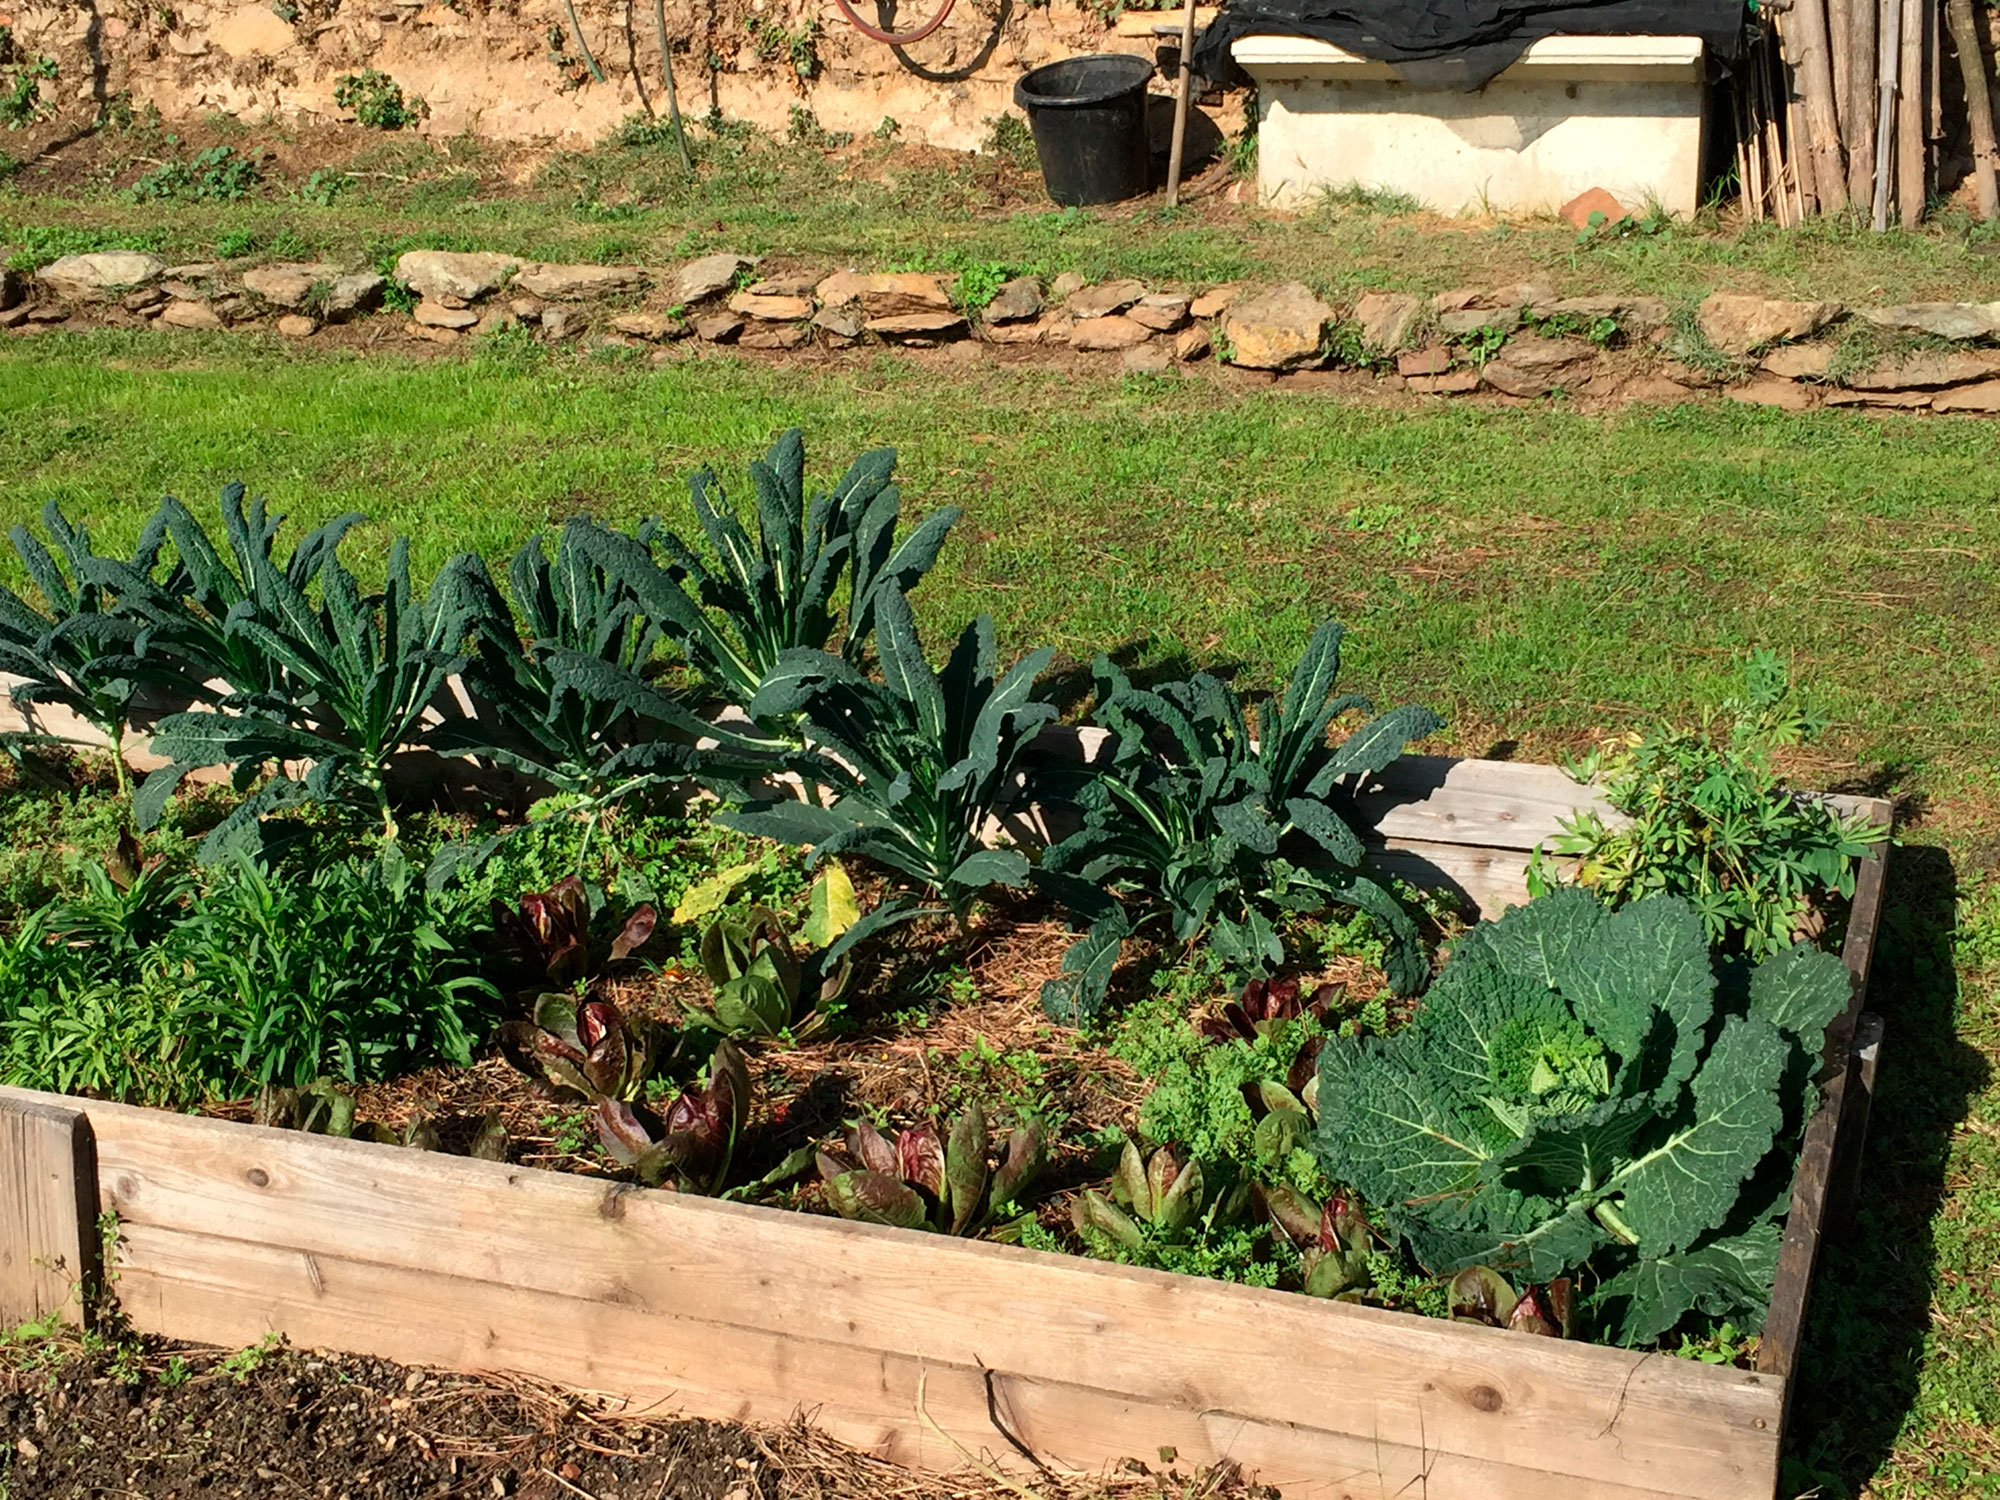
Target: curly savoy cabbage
(1586, 1087)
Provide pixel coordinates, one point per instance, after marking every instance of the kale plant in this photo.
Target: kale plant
(195, 608)
(1218, 835)
(1707, 818)
(359, 676)
(87, 654)
(1580, 1088)
(918, 763)
(735, 614)
(573, 704)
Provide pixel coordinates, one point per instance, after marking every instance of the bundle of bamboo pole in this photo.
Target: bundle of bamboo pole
(1840, 104)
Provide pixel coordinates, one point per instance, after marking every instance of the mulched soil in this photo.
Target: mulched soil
(943, 1019)
(160, 1421)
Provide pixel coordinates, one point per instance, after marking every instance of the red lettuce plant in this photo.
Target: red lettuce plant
(924, 1180)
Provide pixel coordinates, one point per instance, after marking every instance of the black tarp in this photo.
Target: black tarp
(1462, 43)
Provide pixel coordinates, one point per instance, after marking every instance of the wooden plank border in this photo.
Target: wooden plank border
(1845, 1095)
(48, 1210)
(229, 1231)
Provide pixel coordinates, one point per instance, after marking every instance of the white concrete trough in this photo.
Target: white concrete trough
(1623, 113)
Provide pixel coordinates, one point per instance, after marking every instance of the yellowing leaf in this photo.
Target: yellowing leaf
(834, 907)
(711, 895)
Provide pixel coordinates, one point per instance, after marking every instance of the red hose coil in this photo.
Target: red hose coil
(895, 38)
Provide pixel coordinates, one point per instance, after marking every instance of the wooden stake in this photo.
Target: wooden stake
(1181, 105)
(1749, 188)
(1887, 86)
(1857, 122)
(1798, 130)
(673, 98)
(1910, 118)
(1807, 22)
(1840, 46)
(1978, 106)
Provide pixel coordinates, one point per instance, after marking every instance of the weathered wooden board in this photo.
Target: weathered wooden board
(48, 1215)
(231, 1230)
(1806, 1223)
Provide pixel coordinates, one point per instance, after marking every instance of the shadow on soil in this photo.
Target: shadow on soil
(1871, 1306)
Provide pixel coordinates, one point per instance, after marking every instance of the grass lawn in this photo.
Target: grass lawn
(1536, 575)
(359, 195)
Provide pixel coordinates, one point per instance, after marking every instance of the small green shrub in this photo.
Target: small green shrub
(1009, 138)
(978, 284)
(21, 80)
(85, 1006)
(341, 969)
(217, 175)
(1358, 198)
(378, 101)
(323, 187)
(804, 129)
(159, 990)
(644, 133)
(1711, 821)
(773, 40)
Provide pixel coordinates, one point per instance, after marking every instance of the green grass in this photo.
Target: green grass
(364, 195)
(1536, 575)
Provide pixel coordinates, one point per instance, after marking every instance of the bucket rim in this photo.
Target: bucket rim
(1142, 70)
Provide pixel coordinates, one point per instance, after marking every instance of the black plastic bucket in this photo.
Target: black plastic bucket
(1089, 118)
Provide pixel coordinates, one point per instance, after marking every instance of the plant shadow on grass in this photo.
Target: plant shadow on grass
(1871, 1307)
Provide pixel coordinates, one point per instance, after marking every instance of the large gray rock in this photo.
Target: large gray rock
(100, 275)
(1533, 366)
(1920, 372)
(1279, 328)
(353, 294)
(701, 279)
(1016, 301)
(289, 284)
(654, 327)
(464, 276)
(1982, 397)
(197, 315)
(1103, 300)
(1742, 325)
(1961, 321)
(1799, 361)
(917, 326)
(840, 322)
(1163, 312)
(767, 309)
(899, 294)
(580, 283)
(1386, 319)
(1112, 331)
(1633, 315)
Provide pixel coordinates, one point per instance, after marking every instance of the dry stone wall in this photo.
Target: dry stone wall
(509, 70)
(1520, 342)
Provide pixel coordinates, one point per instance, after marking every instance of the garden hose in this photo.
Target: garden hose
(896, 38)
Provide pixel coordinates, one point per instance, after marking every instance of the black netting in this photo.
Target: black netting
(1462, 43)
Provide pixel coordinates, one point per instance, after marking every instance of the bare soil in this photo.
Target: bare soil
(159, 1421)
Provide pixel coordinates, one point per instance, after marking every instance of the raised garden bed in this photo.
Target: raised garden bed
(929, 1350)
